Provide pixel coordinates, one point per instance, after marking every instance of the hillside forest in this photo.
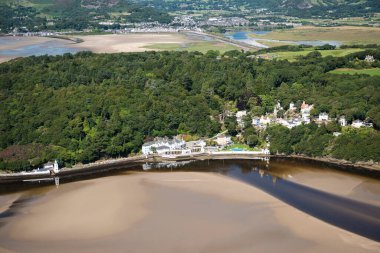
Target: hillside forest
(84, 107)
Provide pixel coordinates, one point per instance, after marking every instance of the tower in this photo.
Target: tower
(55, 167)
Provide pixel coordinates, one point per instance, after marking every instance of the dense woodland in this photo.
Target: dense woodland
(79, 108)
(295, 8)
(39, 15)
(74, 14)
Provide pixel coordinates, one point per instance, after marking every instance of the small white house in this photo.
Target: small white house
(369, 58)
(342, 121)
(223, 140)
(357, 123)
(292, 106)
(196, 146)
(305, 111)
(323, 116)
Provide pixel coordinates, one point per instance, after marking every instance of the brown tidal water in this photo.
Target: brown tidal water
(196, 207)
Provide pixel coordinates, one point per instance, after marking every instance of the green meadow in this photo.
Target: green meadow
(293, 55)
(193, 46)
(347, 71)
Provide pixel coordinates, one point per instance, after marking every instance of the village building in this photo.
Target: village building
(369, 58)
(292, 107)
(277, 108)
(196, 146)
(342, 121)
(223, 140)
(305, 111)
(290, 123)
(176, 146)
(162, 145)
(357, 123)
(323, 116)
(239, 117)
(51, 167)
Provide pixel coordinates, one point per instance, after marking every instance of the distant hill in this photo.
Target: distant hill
(36, 15)
(300, 8)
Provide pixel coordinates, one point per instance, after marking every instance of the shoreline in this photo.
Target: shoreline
(340, 164)
(108, 166)
(221, 215)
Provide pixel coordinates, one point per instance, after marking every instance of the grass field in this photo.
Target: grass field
(193, 46)
(371, 72)
(344, 34)
(292, 56)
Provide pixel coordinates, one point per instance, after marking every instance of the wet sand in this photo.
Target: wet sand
(14, 47)
(108, 43)
(357, 187)
(117, 43)
(169, 212)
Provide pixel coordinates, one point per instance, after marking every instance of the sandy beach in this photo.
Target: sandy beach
(134, 42)
(13, 47)
(169, 212)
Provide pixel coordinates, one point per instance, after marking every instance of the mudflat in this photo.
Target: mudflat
(169, 212)
(133, 42)
(13, 47)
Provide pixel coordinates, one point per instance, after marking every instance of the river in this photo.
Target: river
(196, 206)
(12, 47)
(253, 38)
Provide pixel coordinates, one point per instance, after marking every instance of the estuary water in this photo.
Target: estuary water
(253, 38)
(196, 206)
(12, 47)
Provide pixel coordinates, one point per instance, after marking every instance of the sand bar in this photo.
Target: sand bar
(108, 43)
(169, 212)
(134, 42)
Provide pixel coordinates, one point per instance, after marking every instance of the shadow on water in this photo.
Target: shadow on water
(351, 215)
(357, 217)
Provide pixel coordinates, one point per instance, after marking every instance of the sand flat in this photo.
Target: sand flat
(170, 212)
(133, 42)
(106, 43)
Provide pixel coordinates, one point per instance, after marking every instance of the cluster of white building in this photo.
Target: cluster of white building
(176, 146)
(303, 117)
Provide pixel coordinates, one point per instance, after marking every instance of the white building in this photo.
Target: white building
(162, 145)
(369, 58)
(265, 120)
(50, 166)
(305, 111)
(323, 116)
(357, 123)
(292, 106)
(223, 140)
(196, 146)
(277, 108)
(342, 121)
(290, 123)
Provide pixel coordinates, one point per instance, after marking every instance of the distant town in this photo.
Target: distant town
(179, 23)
